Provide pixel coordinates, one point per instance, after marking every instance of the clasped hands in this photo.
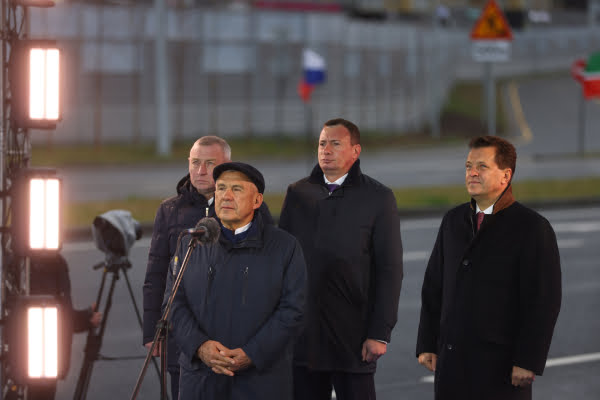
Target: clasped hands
(221, 359)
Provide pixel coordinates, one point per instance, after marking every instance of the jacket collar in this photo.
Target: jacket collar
(254, 238)
(354, 173)
(505, 200)
(189, 192)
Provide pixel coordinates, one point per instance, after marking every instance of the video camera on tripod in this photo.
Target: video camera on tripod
(114, 234)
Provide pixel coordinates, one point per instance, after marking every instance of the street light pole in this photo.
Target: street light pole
(161, 85)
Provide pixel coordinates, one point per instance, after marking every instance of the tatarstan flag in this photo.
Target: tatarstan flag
(588, 73)
(591, 76)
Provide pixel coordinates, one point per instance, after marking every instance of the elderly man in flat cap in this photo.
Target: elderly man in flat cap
(240, 302)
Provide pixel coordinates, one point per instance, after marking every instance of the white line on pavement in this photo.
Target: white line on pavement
(570, 243)
(568, 360)
(553, 362)
(424, 255)
(577, 227)
(415, 255)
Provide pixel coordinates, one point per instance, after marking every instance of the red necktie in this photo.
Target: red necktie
(480, 215)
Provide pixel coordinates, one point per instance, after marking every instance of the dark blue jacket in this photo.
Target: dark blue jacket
(174, 215)
(248, 295)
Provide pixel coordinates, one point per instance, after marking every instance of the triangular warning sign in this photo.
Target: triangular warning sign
(491, 24)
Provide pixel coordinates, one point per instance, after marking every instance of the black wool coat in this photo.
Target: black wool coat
(175, 214)
(351, 241)
(490, 300)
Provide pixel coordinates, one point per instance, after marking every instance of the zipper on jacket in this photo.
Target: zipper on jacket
(245, 286)
(211, 276)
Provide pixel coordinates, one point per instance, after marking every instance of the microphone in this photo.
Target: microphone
(207, 230)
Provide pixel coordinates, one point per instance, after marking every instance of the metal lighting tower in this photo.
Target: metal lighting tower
(15, 153)
(29, 200)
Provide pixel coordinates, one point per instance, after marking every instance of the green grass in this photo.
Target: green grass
(461, 118)
(243, 149)
(82, 214)
(465, 106)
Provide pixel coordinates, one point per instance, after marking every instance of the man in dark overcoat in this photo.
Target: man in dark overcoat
(349, 229)
(194, 200)
(492, 289)
(241, 299)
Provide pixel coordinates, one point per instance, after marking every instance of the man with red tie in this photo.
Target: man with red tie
(492, 289)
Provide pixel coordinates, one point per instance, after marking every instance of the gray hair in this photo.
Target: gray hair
(211, 140)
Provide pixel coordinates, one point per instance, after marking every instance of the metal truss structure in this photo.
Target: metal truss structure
(15, 153)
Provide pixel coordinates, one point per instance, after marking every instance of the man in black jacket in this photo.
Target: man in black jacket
(241, 300)
(349, 229)
(194, 200)
(492, 288)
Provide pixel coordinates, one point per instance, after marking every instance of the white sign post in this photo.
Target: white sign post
(491, 42)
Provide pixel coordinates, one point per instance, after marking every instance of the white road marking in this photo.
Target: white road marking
(553, 362)
(569, 360)
(576, 227)
(415, 255)
(570, 243)
(424, 255)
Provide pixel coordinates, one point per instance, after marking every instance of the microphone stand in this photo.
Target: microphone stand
(160, 335)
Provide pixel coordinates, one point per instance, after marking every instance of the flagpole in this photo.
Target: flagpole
(314, 73)
(582, 107)
(308, 133)
(490, 93)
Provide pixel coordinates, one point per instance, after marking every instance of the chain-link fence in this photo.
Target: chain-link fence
(235, 73)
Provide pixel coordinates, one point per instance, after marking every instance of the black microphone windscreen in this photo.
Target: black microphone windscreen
(212, 229)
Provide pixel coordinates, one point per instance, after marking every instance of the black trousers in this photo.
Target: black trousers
(174, 373)
(317, 385)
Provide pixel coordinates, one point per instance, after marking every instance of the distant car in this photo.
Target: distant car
(539, 16)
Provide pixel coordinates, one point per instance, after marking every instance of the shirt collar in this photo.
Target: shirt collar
(338, 181)
(488, 210)
(243, 228)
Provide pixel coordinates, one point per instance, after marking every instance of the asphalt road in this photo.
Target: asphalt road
(399, 375)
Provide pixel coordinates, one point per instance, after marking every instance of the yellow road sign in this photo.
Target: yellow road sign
(491, 24)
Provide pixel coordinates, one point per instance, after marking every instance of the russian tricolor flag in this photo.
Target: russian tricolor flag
(314, 71)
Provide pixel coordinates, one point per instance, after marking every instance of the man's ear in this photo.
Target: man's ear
(507, 175)
(258, 201)
(357, 150)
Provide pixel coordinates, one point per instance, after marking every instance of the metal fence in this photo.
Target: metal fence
(235, 73)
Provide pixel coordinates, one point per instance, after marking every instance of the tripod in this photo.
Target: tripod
(93, 343)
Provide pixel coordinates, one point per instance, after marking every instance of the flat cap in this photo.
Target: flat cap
(252, 173)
